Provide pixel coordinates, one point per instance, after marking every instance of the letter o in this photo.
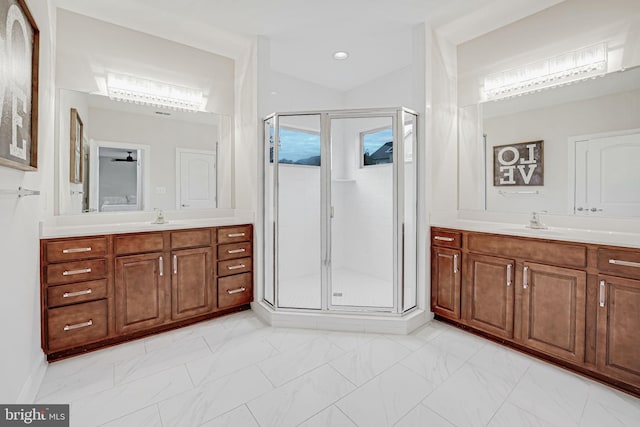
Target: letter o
(516, 156)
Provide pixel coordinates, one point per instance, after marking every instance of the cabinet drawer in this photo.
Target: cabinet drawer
(76, 292)
(235, 290)
(444, 238)
(71, 250)
(190, 238)
(149, 242)
(234, 234)
(234, 266)
(76, 324)
(77, 271)
(235, 250)
(619, 262)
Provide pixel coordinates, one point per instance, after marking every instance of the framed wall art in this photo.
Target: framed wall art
(19, 50)
(518, 164)
(76, 148)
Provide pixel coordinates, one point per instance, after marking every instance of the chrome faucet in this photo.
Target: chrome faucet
(535, 222)
(159, 217)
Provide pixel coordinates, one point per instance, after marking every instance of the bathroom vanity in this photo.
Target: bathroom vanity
(100, 290)
(574, 304)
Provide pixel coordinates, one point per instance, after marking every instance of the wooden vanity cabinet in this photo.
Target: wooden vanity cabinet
(446, 261)
(489, 294)
(577, 305)
(553, 310)
(75, 292)
(103, 290)
(191, 274)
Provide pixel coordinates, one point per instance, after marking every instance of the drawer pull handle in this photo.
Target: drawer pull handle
(509, 267)
(235, 235)
(602, 290)
(525, 278)
(76, 294)
(76, 250)
(236, 291)
(444, 239)
(175, 264)
(161, 266)
(235, 267)
(78, 325)
(236, 251)
(624, 263)
(455, 264)
(73, 272)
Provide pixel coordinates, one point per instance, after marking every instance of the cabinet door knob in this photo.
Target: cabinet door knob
(509, 267)
(525, 277)
(161, 266)
(175, 264)
(602, 292)
(455, 264)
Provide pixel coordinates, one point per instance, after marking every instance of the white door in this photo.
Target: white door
(607, 176)
(196, 179)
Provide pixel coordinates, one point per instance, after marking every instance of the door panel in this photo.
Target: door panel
(361, 208)
(619, 328)
(191, 282)
(140, 291)
(445, 273)
(197, 179)
(553, 310)
(489, 297)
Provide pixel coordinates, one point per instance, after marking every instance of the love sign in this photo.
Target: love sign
(518, 164)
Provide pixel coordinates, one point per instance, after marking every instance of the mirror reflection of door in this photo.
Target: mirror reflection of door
(607, 176)
(196, 179)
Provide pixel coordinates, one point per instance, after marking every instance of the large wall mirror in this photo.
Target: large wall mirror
(140, 158)
(591, 134)
(574, 87)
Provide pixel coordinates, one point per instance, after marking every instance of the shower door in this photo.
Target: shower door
(361, 211)
(340, 206)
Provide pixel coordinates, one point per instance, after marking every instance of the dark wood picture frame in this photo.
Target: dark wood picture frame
(19, 135)
(76, 148)
(520, 173)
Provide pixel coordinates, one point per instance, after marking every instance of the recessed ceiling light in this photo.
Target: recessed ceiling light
(340, 55)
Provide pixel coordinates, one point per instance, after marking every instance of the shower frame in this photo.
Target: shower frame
(270, 222)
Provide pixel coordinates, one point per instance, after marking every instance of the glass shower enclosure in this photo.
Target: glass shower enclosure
(340, 209)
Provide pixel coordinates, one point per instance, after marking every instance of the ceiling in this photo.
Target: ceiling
(303, 34)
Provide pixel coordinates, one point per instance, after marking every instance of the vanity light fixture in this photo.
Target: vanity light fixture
(569, 67)
(149, 92)
(340, 55)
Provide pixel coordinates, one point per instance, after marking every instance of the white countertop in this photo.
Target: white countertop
(612, 238)
(105, 223)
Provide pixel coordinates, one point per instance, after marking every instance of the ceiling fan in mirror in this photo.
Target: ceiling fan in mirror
(128, 159)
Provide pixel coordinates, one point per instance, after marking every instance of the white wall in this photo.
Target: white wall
(163, 136)
(555, 125)
(22, 361)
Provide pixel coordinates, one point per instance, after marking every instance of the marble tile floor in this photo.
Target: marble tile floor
(236, 371)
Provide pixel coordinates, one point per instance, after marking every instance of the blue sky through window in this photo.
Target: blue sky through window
(373, 141)
(297, 146)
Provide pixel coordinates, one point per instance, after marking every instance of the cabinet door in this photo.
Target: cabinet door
(553, 310)
(140, 291)
(191, 272)
(618, 335)
(445, 288)
(489, 294)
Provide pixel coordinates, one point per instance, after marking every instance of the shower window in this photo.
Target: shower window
(297, 147)
(376, 147)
